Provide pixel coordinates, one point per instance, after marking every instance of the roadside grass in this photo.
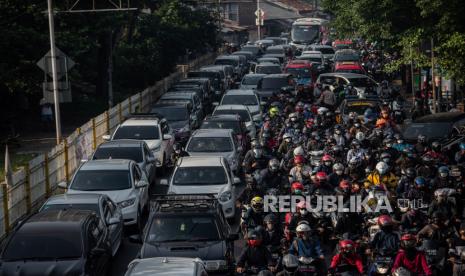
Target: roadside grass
(17, 161)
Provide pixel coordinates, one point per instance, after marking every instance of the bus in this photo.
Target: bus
(306, 31)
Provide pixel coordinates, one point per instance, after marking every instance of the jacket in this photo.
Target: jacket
(258, 256)
(418, 265)
(306, 248)
(375, 179)
(352, 260)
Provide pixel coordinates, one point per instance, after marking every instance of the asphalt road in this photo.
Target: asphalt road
(128, 251)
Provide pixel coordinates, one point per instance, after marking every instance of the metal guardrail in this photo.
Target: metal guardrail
(38, 180)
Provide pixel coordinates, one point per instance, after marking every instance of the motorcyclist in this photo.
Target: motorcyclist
(410, 258)
(302, 214)
(436, 153)
(437, 229)
(442, 204)
(254, 254)
(300, 171)
(406, 180)
(457, 252)
(347, 256)
(381, 176)
(421, 146)
(337, 175)
(250, 191)
(177, 153)
(272, 177)
(254, 160)
(355, 150)
(443, 179)
(306, 245)
(254, 215)
(272, 233)
(386, 241)
(321, 185)
(459, 156)
(326, 164)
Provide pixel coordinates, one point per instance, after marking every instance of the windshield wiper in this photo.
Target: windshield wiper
(203, 239)
(172, 240)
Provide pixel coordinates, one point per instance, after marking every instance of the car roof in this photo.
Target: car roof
(240, 92)
(56, 220)
(164, 105)
(123, 143)
(320, 46)
(268, 64)
(164, 266)
(254, 75)
(273, 76)
(228, 57)
(149, 121)
(178, 95)
(224, 117)
(212, 132)
(201, 161)
(75, 199)
(106, 164)
(443, 117)
(344, 75)
(232, 107)
(275, 47)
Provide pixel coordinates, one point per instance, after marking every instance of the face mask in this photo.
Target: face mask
(339, 172)
(254, 243)
(327, 163)
(443, 175)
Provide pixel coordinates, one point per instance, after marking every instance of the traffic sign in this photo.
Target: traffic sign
(63, 63)
(259, 13)
(259, 22)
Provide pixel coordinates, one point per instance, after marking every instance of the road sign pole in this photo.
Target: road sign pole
(54, 72)
(259, 18)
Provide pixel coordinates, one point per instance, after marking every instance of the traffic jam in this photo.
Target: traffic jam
(283, 157)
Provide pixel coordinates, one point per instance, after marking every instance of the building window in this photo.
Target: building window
(231, 11)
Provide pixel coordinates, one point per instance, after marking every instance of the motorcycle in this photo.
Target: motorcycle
(308, 266)
(382, 265)
(435, 255)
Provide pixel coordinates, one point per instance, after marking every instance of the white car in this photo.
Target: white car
(250, 81)
(153, 130)
(121, 180)
(245, 97)
(244, 112)
(166, 266)
(206, 175)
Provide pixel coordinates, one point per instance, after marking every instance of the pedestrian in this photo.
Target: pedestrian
(46, 115)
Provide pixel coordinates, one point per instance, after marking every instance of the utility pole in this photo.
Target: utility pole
(259, 35)
(110, 72)
(56, 97)
(411, 73)
(433, 82)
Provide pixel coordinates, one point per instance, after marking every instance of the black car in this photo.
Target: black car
(229, 121)
(435, 127)
(274, 83)
(215, 80)
(179, 117)
(189, 226)
(57, 242)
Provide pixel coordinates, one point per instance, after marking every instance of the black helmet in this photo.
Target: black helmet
(273, 165)
(270, 218)
(250, 181)
(436, 146)
(290, 263)
(410, 173)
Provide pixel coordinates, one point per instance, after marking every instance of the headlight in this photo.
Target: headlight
(225, 196)
(127, 203)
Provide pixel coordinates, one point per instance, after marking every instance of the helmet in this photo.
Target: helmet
(344, 185)
(436, 146)
(293, 117)
(274, 111)
(257, 204)
(410, 172)
(385, 220)
(257, 152)
(287, 136)
(326, 157)
(338, 168)
(385, 157)
(443, 171)
(299, 159)
(270, 218)
(421, 138)
(382, 168)
(355, 143)
(303, 228)
(388, 142)
(297, 188)
(347, 246)
(322, 110)
(254, 238)
(290, 263)
(321, 177)
(420, 181)
(299, 151)
(273, 165)
(352, 115)
(408, 241)
(354, 162)
(360, 136)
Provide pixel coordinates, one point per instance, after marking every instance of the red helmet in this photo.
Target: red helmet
(408, 237)
(385, 220)
(299, 159)
(344, 184)
(408, 241)
(310, 122)
(346, 246)
(297, 186)
(321, 176)
(326, 157)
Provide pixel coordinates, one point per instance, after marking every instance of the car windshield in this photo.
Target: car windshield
(131, 153)
(252, 49)
(240, 99)
(299, 72)
(346, 57)
(251, 80)
(245, 116)
(101, 180)
(227, 62)
(200, 176)
(274, 83)
(305, 33)
(325, 51)
(137, 133)
(430, 130)
(79, 206)
(53, 244)
(183, 228)
(275, 51)
(234, 125)
(268, 69)
(172, 114)
(310, 58)
(355, 71)
(210, 144)
(361, 82)
(358, 108)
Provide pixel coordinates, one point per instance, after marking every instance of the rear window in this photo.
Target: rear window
(200, 176)
(234, 125)
(227, 62)
(274, 83)
(245, 116)
(251, 80)
(240, 99)
(325, 51)
(210, 144)
(131, 153)
(267, 69)
(44, 245)
(101, 180)
(137, 133)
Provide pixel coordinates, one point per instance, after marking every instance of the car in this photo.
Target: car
(180, 118)
(349, 67)
(189, 226)
(120, 179)
(248, 55)
(199, 99)
(203, 83)
(227, 73)
(326, 50)
(264, 43)
(316, 58)
(346, 55)
(273, 60)
(166, 266)
(57, 242)
(277, 40)
(215, 79)
(357, 105)
(246, 97)
(363, 84)
(150, 128)
(183, 97)
(250, 81)
(234, 61)
(242, 111)
(303, 73)
(217, 142)
(254, 49)
(102, 205)
(276, 51)
(435, 127)
(135, 150)
(267, 68)
(229, 121)
(274, 83)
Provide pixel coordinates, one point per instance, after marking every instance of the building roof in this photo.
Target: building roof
(277, 10)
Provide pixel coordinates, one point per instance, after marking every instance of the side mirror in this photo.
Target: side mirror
(215, 104)
(106, 137)
(167, 136)
(236, 180)
(141, 184)
(84, 160)
(135, 239)
(233, 237)
(63, 185)
(164, 182)
(113, 221)
(262, 103)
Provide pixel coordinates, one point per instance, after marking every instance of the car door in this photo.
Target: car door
(138, 175)
(198, 105)
(167, 144)
(115, 230)
(97, 260)
(149, 168)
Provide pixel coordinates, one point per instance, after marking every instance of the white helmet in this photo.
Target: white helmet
(382, 167)
(322, 110)
(360, 136)
(299, 151)
(303, 228)
(286, 136)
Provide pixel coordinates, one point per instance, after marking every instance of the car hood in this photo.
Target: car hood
(46, 268)
(198, 189)
(116, 196)
(212, 250)
(178, 124)
(303, 81)
(152, 144)
(222, 154)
